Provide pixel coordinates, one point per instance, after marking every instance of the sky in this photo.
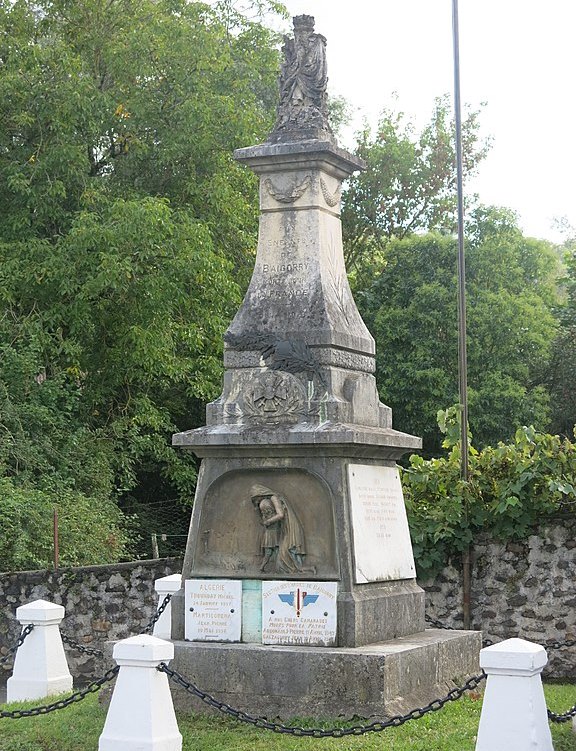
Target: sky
(517, 56)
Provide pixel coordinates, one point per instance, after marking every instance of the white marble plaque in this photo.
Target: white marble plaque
(382, 545)
(298, 612)
(213, 609)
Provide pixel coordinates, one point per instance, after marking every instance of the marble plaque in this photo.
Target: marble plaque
(299, 612)
(213, 609)
(382, 545)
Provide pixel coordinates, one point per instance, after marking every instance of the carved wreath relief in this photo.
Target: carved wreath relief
(288, 196)
(274, 395)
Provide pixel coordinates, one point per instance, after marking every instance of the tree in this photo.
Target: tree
(411, 309)
(410, 181)
(126, 233)
(562, 373)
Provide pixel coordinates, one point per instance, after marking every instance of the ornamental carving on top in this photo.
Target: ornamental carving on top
(303, 108)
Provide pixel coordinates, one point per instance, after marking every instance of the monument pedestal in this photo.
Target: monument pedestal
(310, 467)
(298, 484)
(379, 680)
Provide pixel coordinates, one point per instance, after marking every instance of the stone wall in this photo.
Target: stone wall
(102, 603)
(525, 589)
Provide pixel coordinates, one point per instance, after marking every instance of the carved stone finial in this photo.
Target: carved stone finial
(303, 108)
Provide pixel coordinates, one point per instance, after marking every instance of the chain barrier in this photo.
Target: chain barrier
(62, 703)
(12, 650)
(339, 732)
(561, 644)
(439, 624)
(260, 722)
(552, 716)
(565, 717)
(91, 651)
(162, 607)
(91, 687)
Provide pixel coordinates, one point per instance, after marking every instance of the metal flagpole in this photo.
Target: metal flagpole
(462, 357)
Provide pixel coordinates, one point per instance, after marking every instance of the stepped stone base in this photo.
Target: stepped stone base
(376, 680)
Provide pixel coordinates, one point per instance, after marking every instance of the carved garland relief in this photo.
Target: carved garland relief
(288, 196)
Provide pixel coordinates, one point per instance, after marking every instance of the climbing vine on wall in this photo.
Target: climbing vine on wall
(512, 488)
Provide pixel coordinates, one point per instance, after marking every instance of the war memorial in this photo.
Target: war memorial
(299, 589)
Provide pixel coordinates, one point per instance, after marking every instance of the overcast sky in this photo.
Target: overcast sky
(518, 56)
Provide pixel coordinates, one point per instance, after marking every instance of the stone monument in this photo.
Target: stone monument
(298, 495)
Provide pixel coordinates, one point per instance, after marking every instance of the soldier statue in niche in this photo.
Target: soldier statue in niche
(282, 542)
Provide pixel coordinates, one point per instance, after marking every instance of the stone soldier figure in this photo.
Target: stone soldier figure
(282, 539)
(303, 107)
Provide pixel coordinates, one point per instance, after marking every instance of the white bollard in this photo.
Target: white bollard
(40, 666)
(165, 586)
(514, 716)
(141, 714)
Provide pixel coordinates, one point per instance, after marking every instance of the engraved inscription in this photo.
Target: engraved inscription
(283, 268)
(382, 546)
(212, 609)
(299, 612)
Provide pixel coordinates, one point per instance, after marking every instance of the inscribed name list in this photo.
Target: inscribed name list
(213, 609)
(296, 612)
(382, 545)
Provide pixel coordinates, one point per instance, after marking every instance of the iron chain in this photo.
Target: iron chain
(561, 644)
(157, 614)
(25, 631)
(62, 703)
(553, 717)
(80, 647)
(339, 732)
(439, 624)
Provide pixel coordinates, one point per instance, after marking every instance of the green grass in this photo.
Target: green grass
(78, 727)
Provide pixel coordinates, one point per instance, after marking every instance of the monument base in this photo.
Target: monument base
(378, 680)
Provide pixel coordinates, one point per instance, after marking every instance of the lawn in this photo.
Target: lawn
(78, 727)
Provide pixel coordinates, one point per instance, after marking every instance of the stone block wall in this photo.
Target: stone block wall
(102, 603)
(525, 589)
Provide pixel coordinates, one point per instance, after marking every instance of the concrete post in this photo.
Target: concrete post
(40, 666)
(514, 716)
(165, 586)
(141, 714)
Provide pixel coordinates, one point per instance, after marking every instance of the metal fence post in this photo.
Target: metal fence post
(514, 716)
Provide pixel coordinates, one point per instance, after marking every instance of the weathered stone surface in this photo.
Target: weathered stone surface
(101, 602)
(322, 682)
(223, 538)
(303, 107)
(504, 577)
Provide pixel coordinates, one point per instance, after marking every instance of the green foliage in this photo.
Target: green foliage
(91, 530)
(511, 489)
(126, 234)
(410, 306)
(409, 184)
(561, 379)
(454, 728)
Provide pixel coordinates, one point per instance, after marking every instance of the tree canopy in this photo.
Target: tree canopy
(410, 181)
(126, 234)
(411, 308)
